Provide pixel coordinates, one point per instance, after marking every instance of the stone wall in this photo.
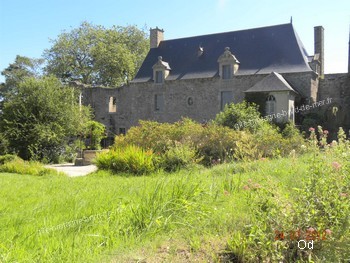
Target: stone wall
(337, 113)
(136, 101)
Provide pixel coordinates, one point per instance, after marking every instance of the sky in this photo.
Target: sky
(26, 26)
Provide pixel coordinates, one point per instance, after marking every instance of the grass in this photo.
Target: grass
(186, 215)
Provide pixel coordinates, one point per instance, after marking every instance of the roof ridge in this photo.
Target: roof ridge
(227, 32)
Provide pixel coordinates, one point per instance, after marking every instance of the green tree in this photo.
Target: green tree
(240, 116)
(21, 68)
(96, 55)
(41, 117)
(95, 131)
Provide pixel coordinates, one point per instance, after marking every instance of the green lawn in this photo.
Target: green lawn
(190, 214)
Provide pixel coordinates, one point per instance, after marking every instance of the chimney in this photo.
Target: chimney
(349, 55)
(319, 46)
(156, 35)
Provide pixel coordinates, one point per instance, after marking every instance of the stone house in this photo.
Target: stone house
(197, 76)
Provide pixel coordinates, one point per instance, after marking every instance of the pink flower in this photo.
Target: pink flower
(246, 187)
(343, 194)
(328, 231)
(226, 192)
(325, 132)
(311, 129)
(336, 165)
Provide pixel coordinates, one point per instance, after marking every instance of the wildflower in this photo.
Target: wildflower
(328, 231)
(226, 192)
(256, 186)
(334, 143)
(325, 132)
(303, 147)
(343, 194)
(311, 129)
(246, 187)
(263, 159)
(336, 165)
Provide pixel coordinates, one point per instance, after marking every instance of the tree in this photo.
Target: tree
(23, 67)
(95, 131)
(240, 116)
(40, 118)
(96, 55)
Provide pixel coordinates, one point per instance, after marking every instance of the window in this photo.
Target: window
(122, 131)
(270, 107)
(226, 72)
(158, 102)
(226, 98)
(190, 101)
(159, 76)
(112, 107)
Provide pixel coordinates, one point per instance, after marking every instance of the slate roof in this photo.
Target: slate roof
(259, 50)
(272, 82)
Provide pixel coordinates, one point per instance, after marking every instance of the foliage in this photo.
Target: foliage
(214, 143)
(18, 166)
(40, 117)
(188, 215)
(240, 116)
(129, 159)
(7, 158)
(311, 120)
(15, 73)
(97, 55)
(4, 144)
(317, 212)
(95, 131)
(177, 156)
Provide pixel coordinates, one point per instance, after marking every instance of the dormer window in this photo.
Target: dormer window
(228, 64)
(161, 71)
(159, 76)
(226, 71)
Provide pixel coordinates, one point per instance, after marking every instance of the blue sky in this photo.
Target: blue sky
(27, 25)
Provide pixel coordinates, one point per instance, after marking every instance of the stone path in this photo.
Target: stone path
(72, 170)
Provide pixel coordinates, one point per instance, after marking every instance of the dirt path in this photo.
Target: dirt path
(72, 170)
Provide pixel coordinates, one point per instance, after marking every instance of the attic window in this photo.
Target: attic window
(159, 76)
(161, 71)
(228, 64)
(226, 71)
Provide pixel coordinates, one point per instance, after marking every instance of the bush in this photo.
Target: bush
(318, 211)
(17, 165)
(95, 131)
(7, 158)
(177, 156)
(213, 143)
(129, 159)
(240, 116)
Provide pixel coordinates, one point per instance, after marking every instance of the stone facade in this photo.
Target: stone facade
(198, 99)
(202, 98)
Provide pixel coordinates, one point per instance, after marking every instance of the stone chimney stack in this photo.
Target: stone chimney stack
(319, 46)
(349, 54)
(156, 35)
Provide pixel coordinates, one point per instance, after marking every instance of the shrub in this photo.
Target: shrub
(177, 156)
(95, 131)
(7, 158)
(129, 159)
(319, 211)
(240, 116)
(19, 166)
